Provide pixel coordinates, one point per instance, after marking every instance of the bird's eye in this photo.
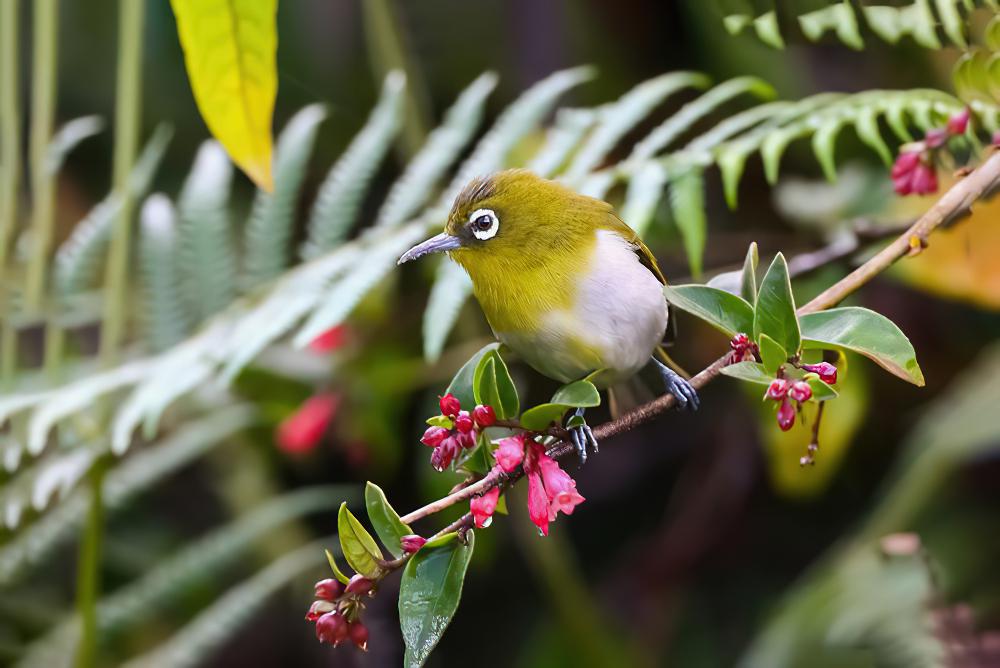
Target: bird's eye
(484, 224)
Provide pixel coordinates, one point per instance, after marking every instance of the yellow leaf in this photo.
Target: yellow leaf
(230, 52)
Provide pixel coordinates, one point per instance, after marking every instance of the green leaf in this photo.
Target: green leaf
(774, 314)
(772, 353)
(337, 573)
(429, 594)
(753, 372)
(358, 546)
(578, 394)
(748, 278)
(441, 421)
(461, 385)
(820, 390)
(721, 309)
(479, 461)
(687, 203)
(766, 27)
(538, 418)
(493, 386)
(865, 332)
(385, 519)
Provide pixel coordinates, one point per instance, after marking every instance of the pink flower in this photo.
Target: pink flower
(412, 542)
(331, 629)
(358, 633)
(484, 416)
(482, 507)
(786, 415)
(800, 391)
(559, 487)
(444, 453)
(434, 435)
(318, 609)
(826, 371)
(359, 584)
(777, 389)
(303, 430)
(510, 452)
(538, 503)
(449, 405)
(913, 173)
(329, 340)
(935, 138)
(958, 123)
(466, 439)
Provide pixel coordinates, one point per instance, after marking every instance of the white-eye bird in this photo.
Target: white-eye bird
(563, 281)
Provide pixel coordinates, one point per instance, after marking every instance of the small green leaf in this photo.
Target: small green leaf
(774, 314)
(337, 573)
(753, 372)
(748, 277)
(541, 416)
(578, 394)
(461, 384)
(687, 203)
(429, 594)
(358, 546)
(772, 354)
(385, 519)
(479, 461)
(766, 27)
(866, 332)
(721, 309)
(440, 421)
(821, 391)
(493, 386)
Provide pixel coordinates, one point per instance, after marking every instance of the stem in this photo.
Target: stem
(10, 129)
(88, 580)
(127, 110)
(43, 100)
(954, 204)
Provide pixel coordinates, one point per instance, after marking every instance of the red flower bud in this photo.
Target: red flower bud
(913, 172)
(935, 137)
(433, 436)
(329, 589)
(484, 416)
(463, 423)
(800, 391)
(359, 584)
(303, 430)
(482, 507)
(412, 542)
(466, 439)
(777, 389)
(329, 340)
(958, 123)
(444, 453)
(786, 415)
(358, 634)
(331, 629)
(739, 342)
(826, 371)
(449, 405)
(318, 609)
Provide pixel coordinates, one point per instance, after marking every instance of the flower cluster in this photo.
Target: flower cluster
(797, 391)
(913, 171)
(550, 489)
(337, 611)
(302, 431)
(742, 349)
(455, 430)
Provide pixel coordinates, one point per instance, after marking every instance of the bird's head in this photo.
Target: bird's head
(510, 220)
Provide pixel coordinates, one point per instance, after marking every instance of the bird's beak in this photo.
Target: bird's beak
(438, 244)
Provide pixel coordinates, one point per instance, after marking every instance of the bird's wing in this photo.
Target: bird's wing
(617, 225)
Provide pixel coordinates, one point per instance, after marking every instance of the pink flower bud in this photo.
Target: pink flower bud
(318, 609)
(303, 430)
(329, 340)
(958, 123)
(826, 371)
(786, 415)
(412, 542)
(449, 405)
(510, 452)
(936, 137)
(538, 503)
(482, 507)
(358, 633)
(433, 436)
(329, 589)
(739, 342)
(463, 422)
(331, 629)
(359, 585)
(777, 389)
(444, 453)
(924, 180)
(484, 416)
(466, 440)
(800, 391)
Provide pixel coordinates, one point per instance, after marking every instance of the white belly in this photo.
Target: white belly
(619, 318)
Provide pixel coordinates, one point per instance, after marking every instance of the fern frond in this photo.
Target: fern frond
(164, 318)
(69, 137)
(208, 260)
(449, 292)
(643, 194)
(48, 479)
(78, 259)
(443, 145)
(212, 627)
(272, 218)
(342, 191)
(137, 473)
(687, 202)
(562, 139)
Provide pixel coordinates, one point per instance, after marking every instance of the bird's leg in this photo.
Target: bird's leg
(581, 434)
(682, 390)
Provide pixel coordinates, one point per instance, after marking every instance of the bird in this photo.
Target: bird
(562, 280)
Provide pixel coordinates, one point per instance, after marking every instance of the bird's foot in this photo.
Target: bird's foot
(680, 388)
(582, 435)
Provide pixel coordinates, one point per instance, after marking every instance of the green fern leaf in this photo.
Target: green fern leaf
(687, 201)
(69, 137)
(561, 140)
(449, 291)
(643, 195)
(164, 320)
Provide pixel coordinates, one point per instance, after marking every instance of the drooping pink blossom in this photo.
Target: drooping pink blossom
(331, 628)
(913, 173)
(330, 340)
(510, 452)
(482, 507)
(826, 371)
(538, 502)
(560, 488)
(786, 415)
(302, 431)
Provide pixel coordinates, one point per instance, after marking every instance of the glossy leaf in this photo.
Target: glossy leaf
(229, 51)
(867, 333)
(461, 384)
(429, 593)
(385, 519)
(753, 372)
(774, 313)
(493, 386)
(772, 354)
(721, 309)
(748, 277)
(359, 548)
(578, 394)
(337, 573)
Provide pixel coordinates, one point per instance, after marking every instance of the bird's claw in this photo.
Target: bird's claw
(680, 388)
(583, 439)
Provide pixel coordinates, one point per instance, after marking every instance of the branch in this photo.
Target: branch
(954, 204)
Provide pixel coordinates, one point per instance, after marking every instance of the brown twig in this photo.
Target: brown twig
(954, 204)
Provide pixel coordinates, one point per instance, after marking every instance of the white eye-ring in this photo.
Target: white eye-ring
(484, 224)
